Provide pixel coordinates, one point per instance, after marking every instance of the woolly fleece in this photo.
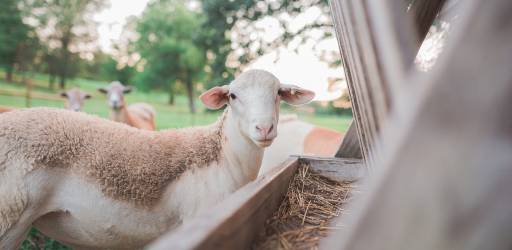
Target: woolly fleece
(129, 164)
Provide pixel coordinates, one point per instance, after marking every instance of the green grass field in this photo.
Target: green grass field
(176, 116)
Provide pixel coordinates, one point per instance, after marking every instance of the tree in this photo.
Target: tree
(14, 37)
(169, 47)
(237, 17)
(221, 16)
(71, 25)
(111, 71)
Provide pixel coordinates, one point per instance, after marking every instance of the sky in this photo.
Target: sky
(112, 19)
(301, 67)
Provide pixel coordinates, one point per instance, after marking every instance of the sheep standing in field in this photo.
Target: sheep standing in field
(140, 115)
(297, 137)
(75, 99)
(94, 183)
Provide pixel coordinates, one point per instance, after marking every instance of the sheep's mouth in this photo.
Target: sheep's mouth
(264, 143)
(116, 107)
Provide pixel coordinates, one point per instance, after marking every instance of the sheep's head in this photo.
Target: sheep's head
(115, 94)
(253, 99)
(75, 98)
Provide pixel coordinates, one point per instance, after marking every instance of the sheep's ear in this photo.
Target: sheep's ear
(63, 94)
(127, 89)
(295, 95)
(215, 97)
(103, 90)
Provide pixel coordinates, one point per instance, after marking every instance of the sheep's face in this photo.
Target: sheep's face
(115, 94)
(254, 99)
(75, 99)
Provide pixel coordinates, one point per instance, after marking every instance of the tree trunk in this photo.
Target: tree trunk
(171, 95)
(9, 74)
(62, 80)
(64, 60)
(190, 94)
(63, 70)
(51, 81)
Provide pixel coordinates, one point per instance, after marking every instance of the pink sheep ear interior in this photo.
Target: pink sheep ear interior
(295, 95)
(216, 97)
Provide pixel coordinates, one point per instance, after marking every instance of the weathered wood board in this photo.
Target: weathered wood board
(445, 179)
(336, 169)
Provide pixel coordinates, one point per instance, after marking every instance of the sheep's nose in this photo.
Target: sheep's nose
(115, 104)
(264, 130)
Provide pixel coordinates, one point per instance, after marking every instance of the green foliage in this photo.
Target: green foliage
(330, 109)
(71, 25)
(254, 47)
(109, 71)
(16, 39)
(221, 20)
(36, 240)
(169, 47)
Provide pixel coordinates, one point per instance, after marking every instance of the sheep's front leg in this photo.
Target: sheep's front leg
(13, 238)
(14, 220)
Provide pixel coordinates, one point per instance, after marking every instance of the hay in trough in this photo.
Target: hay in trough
(305, 213)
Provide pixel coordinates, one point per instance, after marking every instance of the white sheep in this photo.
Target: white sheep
(75, 98)
(140, 115)
(93, 183)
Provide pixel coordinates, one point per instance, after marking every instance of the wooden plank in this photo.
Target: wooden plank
(336, 169)
(361, 68)
(424, 13)
(377, 47)
(350, 146)
(235, 222)
(394, 40)
(446, 183)
(375, 88)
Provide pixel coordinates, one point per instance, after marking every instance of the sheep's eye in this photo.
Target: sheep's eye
(232, 96)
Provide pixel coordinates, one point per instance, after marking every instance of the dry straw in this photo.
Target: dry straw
(304, 215)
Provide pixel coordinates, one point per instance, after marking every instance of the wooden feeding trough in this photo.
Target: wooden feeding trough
(236, 223)
(435, 146)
